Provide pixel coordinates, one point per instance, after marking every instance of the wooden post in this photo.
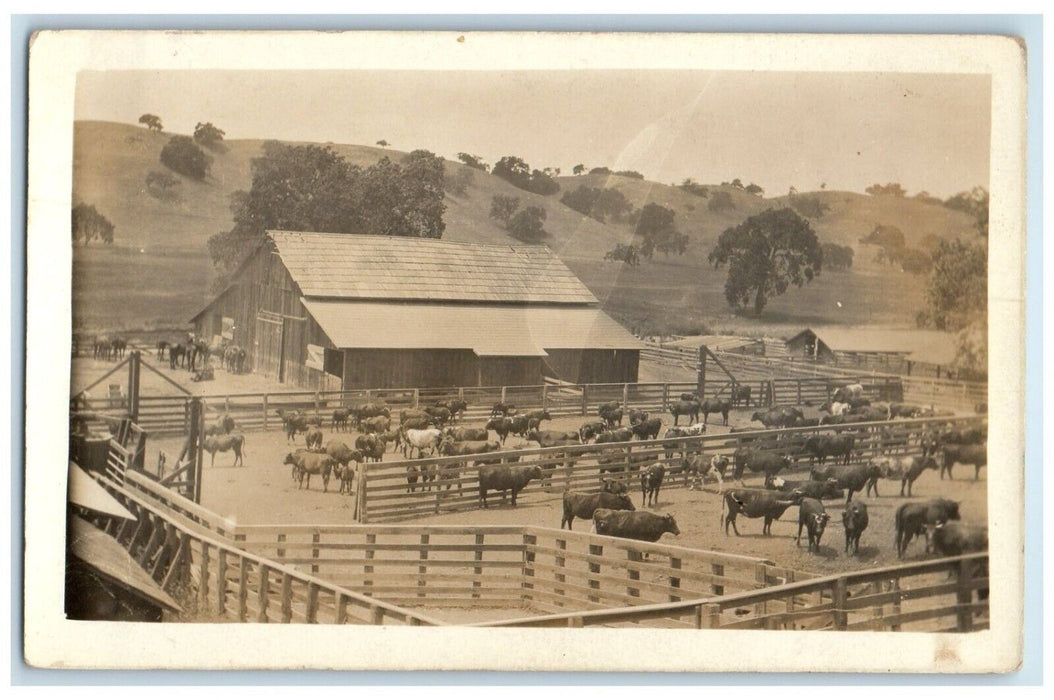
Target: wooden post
(311, 611)
(625, 397)
(417, 398)
(675, 581)
(701, 382)
(634, 574)
(840, 596)
(221, 583)
(560, 563)
(367, 569)
(585, 399)
(243, 589)
(594, 568)
(964, 598)
(528, 566)
(717, 570)
(422, 581)
(265, 411)
(317, 416)
(895, 606)
(226, 404)
(503, 395)
(280, 553)
(287, 598)
(710, 615)
(342, 609)
(665, 397)
(133, 386)
(263, 595)
(203, 575)
(545, 397)
(315, 537)
(478, 569)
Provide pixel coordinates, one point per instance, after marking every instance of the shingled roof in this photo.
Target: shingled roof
(342, 266)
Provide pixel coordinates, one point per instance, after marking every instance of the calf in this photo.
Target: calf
(633, 525)
(953, 454)
(502, 426)
(506, 477)
(650, 482)
(754, 503)
(915, 466)
(502, 409)
(813, 517)
(535, 418)
(340, 419)
(225, 443)
(346, 474)
(584, 505)
(722, 406)
(740, 395)
(854, 520)
(913, 519)
(313, 438)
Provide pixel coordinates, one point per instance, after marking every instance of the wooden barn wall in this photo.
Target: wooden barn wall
(392, 368)
(593, 366)
(264, 284)
(510, 371)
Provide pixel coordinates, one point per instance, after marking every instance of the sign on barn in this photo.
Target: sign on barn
(316, 357)
(227, 330)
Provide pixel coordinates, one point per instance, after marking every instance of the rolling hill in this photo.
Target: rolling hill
(158, 260)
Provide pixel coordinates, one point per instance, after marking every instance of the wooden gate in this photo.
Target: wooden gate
(267, 355)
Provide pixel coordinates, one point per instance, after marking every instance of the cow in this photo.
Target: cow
(313, 438)
(340, 419)
(451, 471)
(502, 409)
(376, 424)
(584, 505)
(777, 417)
(463, 434)
(913, 519)
(224, 443)
(819, 490)
(613, 486)
(535, 418)
(429, 439)
(308, 463)
(371, 410)
(820, 447)
(457, 408)
(768, 463)
(610, 413)
(590, 429)
(904, 410)
(740, 395)
(502, 426)
(952, 454)
(722, 406)
(346, 474)
(674, 432)
(371, 446)
(412, 414)
(520, 425)
(813, 517)
(504, 478)
(852, 478)
(650, 483)
(647, 429)
(617, 435)
(952, 539)
(553, 438)
(636, 416)
(907, 469)
(633, 525)
(343, 454)
(754, 503)
(685, 408)
(849, 392)
(835, 408)
(854, 521)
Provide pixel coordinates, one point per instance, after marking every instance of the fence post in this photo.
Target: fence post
(665, 398)
(265, 411)
(625, 396)
(315, 537)
(316, 407)
(422, 582)
(221, 583)
(502, 395)
(596, 550)
(478, 569)
(561, 562)
(964, 597)
(263, 594)
(367, 569)
(529, 540)
(585, 399)
(417, 398)
(545, 397)
(634, 574)
(840, 596)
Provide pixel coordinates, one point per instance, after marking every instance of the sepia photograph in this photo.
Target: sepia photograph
(383, 342)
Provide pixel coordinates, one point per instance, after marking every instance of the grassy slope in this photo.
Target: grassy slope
(112, 161)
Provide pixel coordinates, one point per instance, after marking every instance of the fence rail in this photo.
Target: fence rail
(384, 492)
(169, 415)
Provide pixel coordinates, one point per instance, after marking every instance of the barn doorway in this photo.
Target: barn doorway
(267, 358)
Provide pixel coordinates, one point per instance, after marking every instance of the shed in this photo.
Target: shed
(889, 348)
(324, 310)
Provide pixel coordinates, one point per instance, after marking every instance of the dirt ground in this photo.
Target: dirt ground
(263, 493)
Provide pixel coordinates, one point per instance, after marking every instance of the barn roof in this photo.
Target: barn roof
(342, 266)
(486, 329)
(937, 347)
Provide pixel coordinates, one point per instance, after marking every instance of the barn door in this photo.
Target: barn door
(267, 358)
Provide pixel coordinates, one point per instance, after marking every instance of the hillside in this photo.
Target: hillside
(111, 162)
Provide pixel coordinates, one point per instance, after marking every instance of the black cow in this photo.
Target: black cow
(502, 426)
(813, 517)
(777, 417)
(953, 454)
(647, 429)
(722, 406)
(913, 519)
(740, 395)
(636, 416)
(854, 520)
(852, 478)
(685, 408)
(754, 503)
(506, 477)
(611, 413)
(584, 505)
(590, 429)
(820, 447)
(950, 539)
(535, 418)
(633, 525)
(340, 419)
(650, 482)
(617, 435)
(768, 463)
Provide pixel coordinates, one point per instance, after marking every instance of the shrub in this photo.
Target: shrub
(502, 207)
(692, 187)
(810, 207)
(526, 225)
(721, 201)
(183, 156)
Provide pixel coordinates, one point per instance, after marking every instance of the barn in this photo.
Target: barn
(330, 311)
(891, 350)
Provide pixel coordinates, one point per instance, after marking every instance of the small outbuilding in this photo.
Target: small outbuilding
(329, 311)
(884, 349)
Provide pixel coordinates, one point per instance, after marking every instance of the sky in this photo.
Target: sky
(778, 129)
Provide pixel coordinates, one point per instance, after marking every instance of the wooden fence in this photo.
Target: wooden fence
(383, 492)
(941, 595)
(227, 581)
(942, 393)
(169, 415)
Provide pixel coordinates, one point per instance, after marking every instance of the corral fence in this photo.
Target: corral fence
(376, 574)
(383, 492)
(170, 415)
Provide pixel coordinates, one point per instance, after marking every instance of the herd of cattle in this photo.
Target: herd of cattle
(435, 431)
